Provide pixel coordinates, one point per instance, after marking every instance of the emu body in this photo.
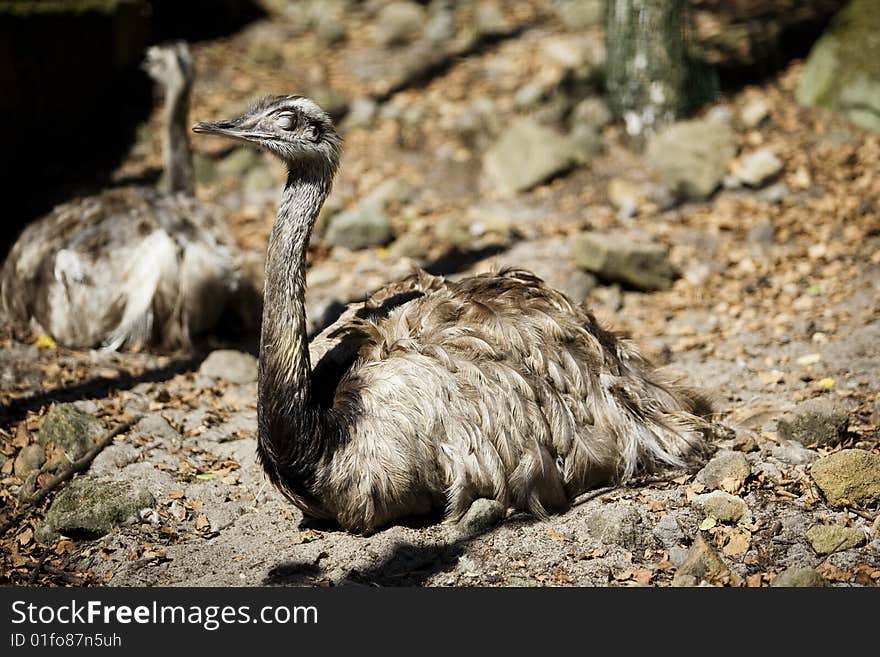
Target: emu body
(433, 393)
(131, 266)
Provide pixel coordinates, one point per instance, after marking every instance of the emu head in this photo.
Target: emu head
(171, 66)
(293, 128)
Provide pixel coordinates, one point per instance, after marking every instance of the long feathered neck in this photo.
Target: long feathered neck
(176, 151)
(288, 421)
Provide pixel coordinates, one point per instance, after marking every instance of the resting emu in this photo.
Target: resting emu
(432, 394)
(130, 266)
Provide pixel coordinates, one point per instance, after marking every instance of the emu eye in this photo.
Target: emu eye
(285, 121)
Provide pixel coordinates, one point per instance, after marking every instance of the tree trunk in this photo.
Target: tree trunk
(646, 65)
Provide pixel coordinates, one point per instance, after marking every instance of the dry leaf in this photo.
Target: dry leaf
(738, 543)
(202, 522)
(554, 535)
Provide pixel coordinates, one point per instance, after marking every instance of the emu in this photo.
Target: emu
(431, 393)
(131, 266)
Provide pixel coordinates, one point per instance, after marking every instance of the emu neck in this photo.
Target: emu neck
(177, 154)
(286, 417)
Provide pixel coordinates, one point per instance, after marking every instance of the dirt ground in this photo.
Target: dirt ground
(778, 303)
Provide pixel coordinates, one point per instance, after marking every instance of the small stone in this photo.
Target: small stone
(850, 476)
(726, 470)
(815, 422)
(626, 197)
(440, 27)
(775, 193)
(703, 566)
(483, 514)
(724, 507)
(366, 224)
(618, 524)
(754, 112)
(796, 576)
(826, 539)
(526, 155)
(591, 111)
(399, 23)
(756, 168)
(668, 531)
(90, 507)
(624, 259)
(230, 365)
(691, 157)
(529, 95)
(488, 18)
(793, 453)
(30, 458)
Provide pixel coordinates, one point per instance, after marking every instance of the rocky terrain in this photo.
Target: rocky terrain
(738, 248)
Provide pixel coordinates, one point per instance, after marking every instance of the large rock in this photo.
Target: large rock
(826, 539)
(230, 365)
(367, 223)
(90, 507)
(851, 476)
(623, 259)
(70, 428)
(526, 155)
(815, 422)
(843, 69)
(691, 157)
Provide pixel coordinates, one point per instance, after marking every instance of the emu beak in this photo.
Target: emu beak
(226, 128)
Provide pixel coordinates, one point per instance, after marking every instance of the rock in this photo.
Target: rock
(330, 28)
(691, 157)
(367, 224)
(579, 14)
(668, 531)
(793, 453)
(526, 155)
(618, 523)
(757, 167)
(230, 365)
(723, 506)
(795, 576)
(586, 143)
(29, 459)
(775, 193)
(726, 470)
(483, 514)
(114, 458)
(826, 539)
(399, 23)
(843, 69)
(703, 566)
(529, 95)
(762, 233)
(70, 428)
(754, 112)
(591, 111)
(90, 507)
(815, 422)
(850, 476)
(155, 426)
(623, 259)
